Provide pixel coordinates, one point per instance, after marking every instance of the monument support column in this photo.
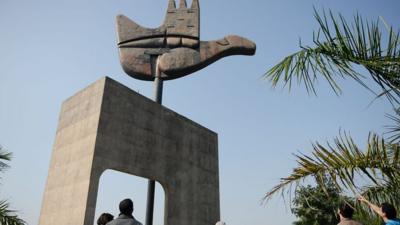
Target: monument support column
(158, 91)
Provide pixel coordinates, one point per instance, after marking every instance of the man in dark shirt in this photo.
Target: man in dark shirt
(125, 217)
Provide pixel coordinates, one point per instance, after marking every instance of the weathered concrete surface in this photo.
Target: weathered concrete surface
(108, 126)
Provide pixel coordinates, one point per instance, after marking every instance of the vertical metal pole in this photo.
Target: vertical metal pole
(158, 89)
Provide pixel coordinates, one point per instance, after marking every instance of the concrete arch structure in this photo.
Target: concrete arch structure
(108, 126)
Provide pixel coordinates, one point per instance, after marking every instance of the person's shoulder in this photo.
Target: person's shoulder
(137, 223)
(112, 222)
(133, 221)
(349, 222)
(393, 222)
(356, 223)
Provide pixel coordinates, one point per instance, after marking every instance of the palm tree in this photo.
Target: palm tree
(346, 163)
(7, 216)
(375, 170)
(339, 47)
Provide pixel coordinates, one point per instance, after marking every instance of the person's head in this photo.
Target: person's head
(104, 218)
(126, 207)
(388, 211)
(346, 211)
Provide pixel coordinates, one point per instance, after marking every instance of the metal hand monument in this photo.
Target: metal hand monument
(171, 51)
(175, 46)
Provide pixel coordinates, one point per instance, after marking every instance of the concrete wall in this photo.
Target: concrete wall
(108, 126)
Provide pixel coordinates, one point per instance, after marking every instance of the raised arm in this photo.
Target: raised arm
(374, 207)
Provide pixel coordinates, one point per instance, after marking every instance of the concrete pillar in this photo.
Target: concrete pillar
(109, 126)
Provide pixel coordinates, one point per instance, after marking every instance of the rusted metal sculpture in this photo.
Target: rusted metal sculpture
(175, 46)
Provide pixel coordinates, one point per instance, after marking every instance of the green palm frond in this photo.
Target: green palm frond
(7, 217)
(339, 47)
(4, 156)
(385, 193)
(394, 130)
(364, 215)
(343, 162)
(378, 194)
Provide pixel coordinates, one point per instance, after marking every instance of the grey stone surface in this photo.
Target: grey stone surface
(108, 126)
(176, 42)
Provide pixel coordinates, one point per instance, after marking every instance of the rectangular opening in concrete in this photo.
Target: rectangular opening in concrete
(115, 186)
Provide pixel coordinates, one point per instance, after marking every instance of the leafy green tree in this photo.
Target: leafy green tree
(341, 47)
(7, 216)
(312, 206)
(317, 206)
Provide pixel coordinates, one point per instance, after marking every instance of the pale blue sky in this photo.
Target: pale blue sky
(50, 49)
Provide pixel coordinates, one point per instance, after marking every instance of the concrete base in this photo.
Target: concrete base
(109, 126)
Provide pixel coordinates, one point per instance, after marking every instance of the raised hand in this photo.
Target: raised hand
(362, 199)
(176, 45)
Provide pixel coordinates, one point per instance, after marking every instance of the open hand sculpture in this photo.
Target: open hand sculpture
(174, 48)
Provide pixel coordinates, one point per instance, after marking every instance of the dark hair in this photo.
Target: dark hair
(104, 218)
(346, 210)
(389, 210)
(126, 207)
